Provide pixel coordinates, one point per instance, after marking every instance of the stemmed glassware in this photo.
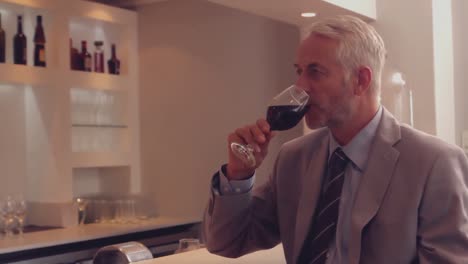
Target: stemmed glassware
(20, 213)
(13, 214)
(7, 209)
(188, 244)
(284, 112)
(81, 204)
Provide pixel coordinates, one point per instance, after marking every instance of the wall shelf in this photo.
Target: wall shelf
(53, 134)
(100, 81)
(100, 125)
(100, 159)
(47, 76)
(27, 75)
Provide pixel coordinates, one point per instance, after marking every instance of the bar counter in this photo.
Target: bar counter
(90, 237)
(270, 256)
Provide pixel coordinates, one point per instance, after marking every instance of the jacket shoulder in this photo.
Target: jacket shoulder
(426, 143)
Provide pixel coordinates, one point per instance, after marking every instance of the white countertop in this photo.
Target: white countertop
(73, 234)
(270, 256)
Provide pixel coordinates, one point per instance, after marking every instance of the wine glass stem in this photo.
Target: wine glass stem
(244, 153)
(81, 217)
(9, 227)
(20, 226)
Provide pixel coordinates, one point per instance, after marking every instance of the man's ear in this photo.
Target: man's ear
(364, 78)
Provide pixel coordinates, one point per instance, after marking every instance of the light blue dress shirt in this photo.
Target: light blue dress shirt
(357, 151)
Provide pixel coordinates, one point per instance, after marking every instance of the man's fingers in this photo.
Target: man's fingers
(258, 134)
(263, 125)
(246, 137)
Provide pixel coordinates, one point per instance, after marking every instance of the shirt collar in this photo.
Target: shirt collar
(358, 148)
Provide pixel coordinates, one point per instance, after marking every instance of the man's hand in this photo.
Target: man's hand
(256, 135)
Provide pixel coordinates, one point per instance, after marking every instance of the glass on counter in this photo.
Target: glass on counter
(188, 244)
(114, 210)
(81, 205)
(13, 214)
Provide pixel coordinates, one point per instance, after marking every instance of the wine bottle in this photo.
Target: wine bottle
(86, 59)
(113, 63)
(74, 57)
(39, 44)
(98, 57)
(2, 42)
(19, 44)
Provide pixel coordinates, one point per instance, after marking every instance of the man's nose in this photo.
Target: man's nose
(302, 83)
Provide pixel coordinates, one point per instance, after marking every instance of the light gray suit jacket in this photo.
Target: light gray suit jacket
(411, 205)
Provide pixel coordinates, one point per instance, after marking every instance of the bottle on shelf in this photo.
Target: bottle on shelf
(74, 57)
(98, 57)
(85, 58)
(113, 63)
(39, 44)
(19, 44)
(2, 42)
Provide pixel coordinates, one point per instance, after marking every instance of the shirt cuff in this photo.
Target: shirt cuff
(230, 187)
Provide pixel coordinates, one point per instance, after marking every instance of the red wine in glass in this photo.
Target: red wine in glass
(284, 117)
(284, 112)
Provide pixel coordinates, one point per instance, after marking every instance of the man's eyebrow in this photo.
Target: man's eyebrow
(309, 66)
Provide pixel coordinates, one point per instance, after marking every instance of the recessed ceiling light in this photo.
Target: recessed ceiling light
(308, 14)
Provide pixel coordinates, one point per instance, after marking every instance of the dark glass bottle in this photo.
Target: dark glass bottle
(85, 58)
(98, 57)
(113, 63)
(2, 42)
(74, 57)
(19, 44)
(39, 44)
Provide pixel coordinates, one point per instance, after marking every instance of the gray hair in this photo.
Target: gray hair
(359, 44)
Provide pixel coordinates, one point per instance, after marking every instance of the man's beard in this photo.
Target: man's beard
(339, 110)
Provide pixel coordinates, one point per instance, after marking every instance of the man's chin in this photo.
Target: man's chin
(313, 123)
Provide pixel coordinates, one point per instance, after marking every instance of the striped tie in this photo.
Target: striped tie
(323, 229)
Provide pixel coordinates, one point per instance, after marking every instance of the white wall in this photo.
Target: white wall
(12, 143)
(443, 69)
(205, 70)
(460, 40)
(428, 49)
(363, 7)
(409, 41)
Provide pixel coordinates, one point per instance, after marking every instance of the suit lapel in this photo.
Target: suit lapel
(374, 181)
(311, 186)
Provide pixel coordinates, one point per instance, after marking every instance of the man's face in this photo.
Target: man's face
(326, 81)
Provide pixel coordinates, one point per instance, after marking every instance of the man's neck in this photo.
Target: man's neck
(346, 131)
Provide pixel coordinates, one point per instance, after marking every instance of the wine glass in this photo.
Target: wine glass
(20, 213)
(82, 204)
(284, 112)
(188, 244)
(7, 210)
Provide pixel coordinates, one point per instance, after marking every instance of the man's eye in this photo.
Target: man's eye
(313, 71)
(298, 71)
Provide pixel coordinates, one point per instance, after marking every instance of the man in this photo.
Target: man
(361, 188)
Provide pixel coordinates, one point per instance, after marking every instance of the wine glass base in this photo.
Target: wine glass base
(244, 153)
